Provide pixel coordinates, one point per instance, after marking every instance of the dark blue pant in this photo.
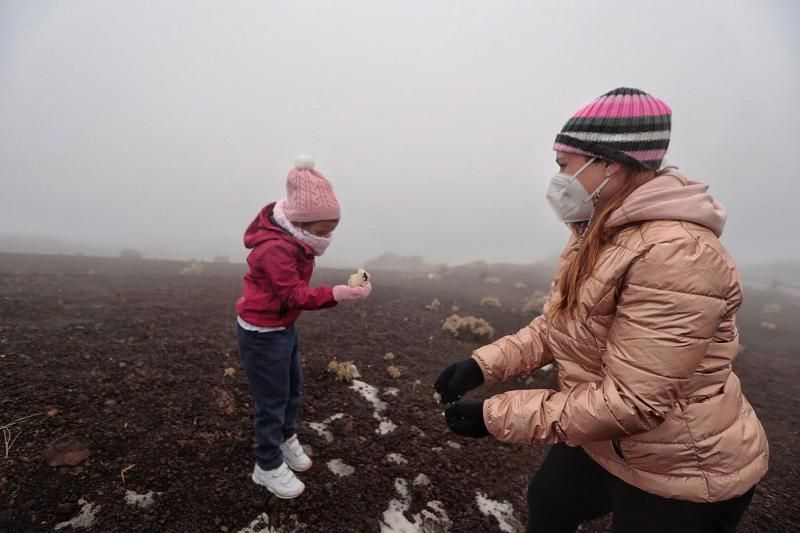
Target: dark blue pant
(272, 364)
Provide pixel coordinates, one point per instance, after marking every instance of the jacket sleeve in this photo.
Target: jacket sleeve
(281, 267)
(525, 351)
(517, 354)
(668, 311)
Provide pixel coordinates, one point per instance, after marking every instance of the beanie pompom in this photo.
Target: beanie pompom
(304, 162)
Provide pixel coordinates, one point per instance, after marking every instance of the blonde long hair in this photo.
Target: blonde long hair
(596, 237)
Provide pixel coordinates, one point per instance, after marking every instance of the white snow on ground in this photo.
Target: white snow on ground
(421, 479)
(437, 449)
(386, 426)
(85, 519)
(322, 427)
(391, 391)
(261, 525)
(431, 519)
(397, 458)
(340, 468)
(503, 512)
(401, 487)
(140, 500)
(453, 444)
(370, 394)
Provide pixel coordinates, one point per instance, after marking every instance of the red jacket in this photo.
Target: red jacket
(276, 286)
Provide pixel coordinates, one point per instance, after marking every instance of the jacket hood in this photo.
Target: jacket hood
(671, 197)
(263, 229)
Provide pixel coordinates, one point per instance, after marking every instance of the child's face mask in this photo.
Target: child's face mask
(317, 243)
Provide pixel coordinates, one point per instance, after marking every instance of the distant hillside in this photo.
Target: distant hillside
(781, 273)
(39, 244)
(399, 263)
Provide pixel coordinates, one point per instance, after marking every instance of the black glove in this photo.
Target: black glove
(457, 379)
(466, 419)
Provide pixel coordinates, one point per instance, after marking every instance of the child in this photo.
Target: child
(284, 239)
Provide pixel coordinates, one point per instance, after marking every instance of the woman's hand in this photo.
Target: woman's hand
(466, 419)
(457, 379)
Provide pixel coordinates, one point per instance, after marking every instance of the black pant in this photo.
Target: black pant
(570, 488)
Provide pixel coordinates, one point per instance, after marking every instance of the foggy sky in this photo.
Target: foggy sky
(166, 126)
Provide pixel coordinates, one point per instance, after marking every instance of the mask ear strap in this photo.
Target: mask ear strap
(595, 196)
(589, 162)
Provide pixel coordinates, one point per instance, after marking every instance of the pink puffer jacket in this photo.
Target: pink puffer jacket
(645, 378)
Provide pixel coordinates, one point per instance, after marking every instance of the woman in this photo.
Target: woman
(649, 421)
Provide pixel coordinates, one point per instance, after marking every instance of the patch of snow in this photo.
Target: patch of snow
(140, 500)
(397, 458)
(370, 394)
(322, 427)
(339, 468)
(391, 391)
(453, 444)
(437, 449)
(401, 487)
(85, 519)
(432, 518)
(421, 479)
(261, 525)
(386, 426)
(503, 512)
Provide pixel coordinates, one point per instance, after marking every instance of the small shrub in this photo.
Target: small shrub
(489, 301)
(344, 371)
(478, 328)
(535, 304)
(434, 305)
(194, 269)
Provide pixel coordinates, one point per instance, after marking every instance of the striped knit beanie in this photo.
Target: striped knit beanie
(624, 125)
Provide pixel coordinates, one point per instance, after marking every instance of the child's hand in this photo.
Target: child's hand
(343, 293)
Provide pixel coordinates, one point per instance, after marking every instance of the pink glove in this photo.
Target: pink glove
(343, 293)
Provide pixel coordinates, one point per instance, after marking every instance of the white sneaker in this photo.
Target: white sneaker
(294, 455)
(281, 481)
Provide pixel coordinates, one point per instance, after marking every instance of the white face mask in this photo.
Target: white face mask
(317, 243)
(569, 199)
